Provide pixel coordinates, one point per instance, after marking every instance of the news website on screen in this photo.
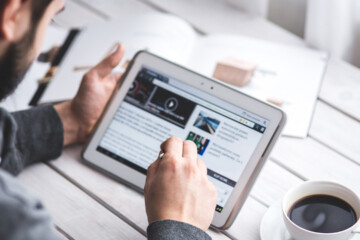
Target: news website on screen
(157, 107)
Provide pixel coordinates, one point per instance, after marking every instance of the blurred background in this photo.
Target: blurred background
(330, 25)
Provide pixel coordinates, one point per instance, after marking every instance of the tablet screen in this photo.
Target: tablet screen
(157, 107)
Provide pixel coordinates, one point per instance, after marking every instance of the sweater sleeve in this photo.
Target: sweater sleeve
(174, 230)
(30, 136)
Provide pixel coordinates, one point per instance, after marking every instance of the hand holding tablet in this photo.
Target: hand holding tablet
(233, 134)
(177, 187)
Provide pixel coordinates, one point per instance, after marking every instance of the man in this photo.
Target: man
(179, 199)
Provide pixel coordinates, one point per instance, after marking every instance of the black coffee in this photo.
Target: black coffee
(323, 214)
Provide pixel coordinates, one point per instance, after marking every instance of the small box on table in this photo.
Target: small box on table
(234, 71)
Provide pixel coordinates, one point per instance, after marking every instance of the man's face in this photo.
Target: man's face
(19, 54)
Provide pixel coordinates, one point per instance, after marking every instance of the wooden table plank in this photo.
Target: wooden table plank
(126, 201)
(73, 211)
(341, 87)
(272, 184)
(337, 131)
(312, 160)
(246, 225)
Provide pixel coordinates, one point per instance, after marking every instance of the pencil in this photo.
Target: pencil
(87, 67)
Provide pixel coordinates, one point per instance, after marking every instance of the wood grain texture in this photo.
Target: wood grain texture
(72, 210)
(341, 87)
(312, 160)
(272, 184)
(337, 131)
(246, 225)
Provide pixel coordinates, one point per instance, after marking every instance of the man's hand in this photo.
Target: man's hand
(80, 114)
(177, 187)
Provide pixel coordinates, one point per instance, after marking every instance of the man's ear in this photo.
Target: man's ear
(11, 15)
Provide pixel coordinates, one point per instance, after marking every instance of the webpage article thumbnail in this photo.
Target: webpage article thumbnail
(206, 123)
(200, 142)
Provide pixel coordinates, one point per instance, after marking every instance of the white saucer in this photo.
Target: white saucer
(272, 225)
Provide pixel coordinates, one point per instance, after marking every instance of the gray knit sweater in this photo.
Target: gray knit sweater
(36, 135)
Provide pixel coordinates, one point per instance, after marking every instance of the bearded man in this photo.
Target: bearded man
(179, 199)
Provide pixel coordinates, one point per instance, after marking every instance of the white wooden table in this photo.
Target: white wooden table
(88, 205)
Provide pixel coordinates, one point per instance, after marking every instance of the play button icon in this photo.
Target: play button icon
(171, 104)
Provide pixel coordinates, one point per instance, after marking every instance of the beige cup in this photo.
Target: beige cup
(315, 188)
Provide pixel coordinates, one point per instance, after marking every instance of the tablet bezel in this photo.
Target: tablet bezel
(136, 179)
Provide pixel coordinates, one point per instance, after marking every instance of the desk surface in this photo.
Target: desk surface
(88, 205)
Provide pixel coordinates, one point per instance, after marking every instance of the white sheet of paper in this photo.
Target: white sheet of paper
(284, 72)
(164, 35)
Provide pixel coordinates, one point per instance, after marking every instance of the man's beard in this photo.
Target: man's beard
(15, 63)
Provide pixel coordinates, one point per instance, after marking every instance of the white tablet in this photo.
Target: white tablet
(234, 132)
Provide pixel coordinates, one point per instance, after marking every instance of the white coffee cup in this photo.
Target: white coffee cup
(320, 188)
